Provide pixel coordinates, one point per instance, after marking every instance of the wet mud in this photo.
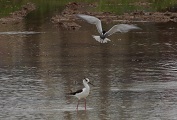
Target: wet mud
(68, 20)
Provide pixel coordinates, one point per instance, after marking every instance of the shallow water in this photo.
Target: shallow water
(134, 74)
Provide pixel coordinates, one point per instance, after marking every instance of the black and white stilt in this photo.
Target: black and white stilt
(82, 93)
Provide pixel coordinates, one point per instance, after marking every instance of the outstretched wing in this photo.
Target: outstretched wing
(91, 20)
(121, 28)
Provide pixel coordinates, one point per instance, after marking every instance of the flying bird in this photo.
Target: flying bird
(82, 93)
(104, 34)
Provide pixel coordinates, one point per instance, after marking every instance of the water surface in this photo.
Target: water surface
(134, 74)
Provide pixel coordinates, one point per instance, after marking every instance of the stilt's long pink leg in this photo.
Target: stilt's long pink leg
(85, 104)
(77, 105)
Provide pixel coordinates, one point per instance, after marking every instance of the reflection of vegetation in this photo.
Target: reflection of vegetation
(122, 6)
(8, 7)
(162, 4)
(117, 6)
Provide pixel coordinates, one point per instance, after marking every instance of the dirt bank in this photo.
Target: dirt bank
(19, 15)
(68, 20)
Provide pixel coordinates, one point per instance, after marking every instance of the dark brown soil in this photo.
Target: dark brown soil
(68, 20)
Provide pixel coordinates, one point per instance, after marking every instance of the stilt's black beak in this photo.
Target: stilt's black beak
(91, 83)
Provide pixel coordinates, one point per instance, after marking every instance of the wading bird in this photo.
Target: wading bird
(82, 93)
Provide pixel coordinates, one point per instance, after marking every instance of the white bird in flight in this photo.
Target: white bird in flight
(103, 34)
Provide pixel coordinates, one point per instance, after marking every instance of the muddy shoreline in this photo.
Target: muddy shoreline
(68, 20)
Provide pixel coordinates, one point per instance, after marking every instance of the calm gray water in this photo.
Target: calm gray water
(134, 74)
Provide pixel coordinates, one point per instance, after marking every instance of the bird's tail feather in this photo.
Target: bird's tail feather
(97, 38)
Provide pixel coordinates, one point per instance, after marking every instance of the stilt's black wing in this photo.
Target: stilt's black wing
(74, 93)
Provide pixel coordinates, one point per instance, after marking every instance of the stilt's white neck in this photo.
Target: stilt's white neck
(86, 85)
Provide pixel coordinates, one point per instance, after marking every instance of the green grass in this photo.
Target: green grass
(116, 6)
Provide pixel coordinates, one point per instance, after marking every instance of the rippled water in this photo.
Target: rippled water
(134, 74)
